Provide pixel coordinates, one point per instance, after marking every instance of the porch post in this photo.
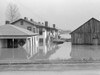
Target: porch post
(30, 47)
(33, 45)
(27, 45)
(13, 47)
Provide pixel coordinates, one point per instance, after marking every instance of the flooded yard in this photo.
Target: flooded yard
(73, 56)
(64, 51)
(89, 72)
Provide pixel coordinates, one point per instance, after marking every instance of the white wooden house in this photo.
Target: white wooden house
(15, 37)
(45, 32)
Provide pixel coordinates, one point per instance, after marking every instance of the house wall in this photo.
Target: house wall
(56, 34)
(81, 38)
(25, 25)
(53, 34)
(44, 35)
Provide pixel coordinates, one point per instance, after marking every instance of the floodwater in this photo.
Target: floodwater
(89, 72)
(53, 52)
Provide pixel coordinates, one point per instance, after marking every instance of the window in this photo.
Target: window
(29, 28)
(21, 22)
(34, 30)
(37, 30)
(40, 31)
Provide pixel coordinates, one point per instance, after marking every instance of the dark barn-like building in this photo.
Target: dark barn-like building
(87, 34)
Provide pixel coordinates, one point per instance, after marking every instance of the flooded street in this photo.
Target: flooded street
(77, 52)
(64, 51)
(90, 72)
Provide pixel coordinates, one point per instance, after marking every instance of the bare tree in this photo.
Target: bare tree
(12, 12)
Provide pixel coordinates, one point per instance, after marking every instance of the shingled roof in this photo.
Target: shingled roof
(84, 24)
(12, 31)
(34, 24)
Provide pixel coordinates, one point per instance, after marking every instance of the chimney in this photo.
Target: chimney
(42, 23)
(54, 25)
(39, 22)
(7, 22)
(31, 20)
(25, 18)
(46, 23)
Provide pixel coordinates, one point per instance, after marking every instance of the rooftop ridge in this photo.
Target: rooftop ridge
(85, 23)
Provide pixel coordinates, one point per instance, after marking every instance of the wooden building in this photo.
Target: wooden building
(87, 34)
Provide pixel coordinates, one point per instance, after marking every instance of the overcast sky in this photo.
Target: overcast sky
(66, 14)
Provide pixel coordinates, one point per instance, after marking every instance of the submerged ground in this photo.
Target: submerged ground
(51, 58)
(64, 51)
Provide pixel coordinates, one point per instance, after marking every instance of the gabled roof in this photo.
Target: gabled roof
(34, 24)
(84, 24)
(12, 30)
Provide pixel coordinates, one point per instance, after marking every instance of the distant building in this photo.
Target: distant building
(45, 32)
(87, 34)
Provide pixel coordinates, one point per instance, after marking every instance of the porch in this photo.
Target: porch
(16, 43)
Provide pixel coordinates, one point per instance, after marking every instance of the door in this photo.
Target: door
(95, 41)
(15, 43)
(9, 43)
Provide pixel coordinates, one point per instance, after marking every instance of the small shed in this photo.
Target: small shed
(87, 34)
(12, 36)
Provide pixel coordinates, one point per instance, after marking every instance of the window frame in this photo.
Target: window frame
(34, 29)
(40, 31)
(29, 28)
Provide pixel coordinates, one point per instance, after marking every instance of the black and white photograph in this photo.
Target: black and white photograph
(49, 37)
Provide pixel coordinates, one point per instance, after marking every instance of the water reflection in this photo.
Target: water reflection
(11, 54)
(42, 52)
(53, 52)
(85, 52)
(77, 52)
